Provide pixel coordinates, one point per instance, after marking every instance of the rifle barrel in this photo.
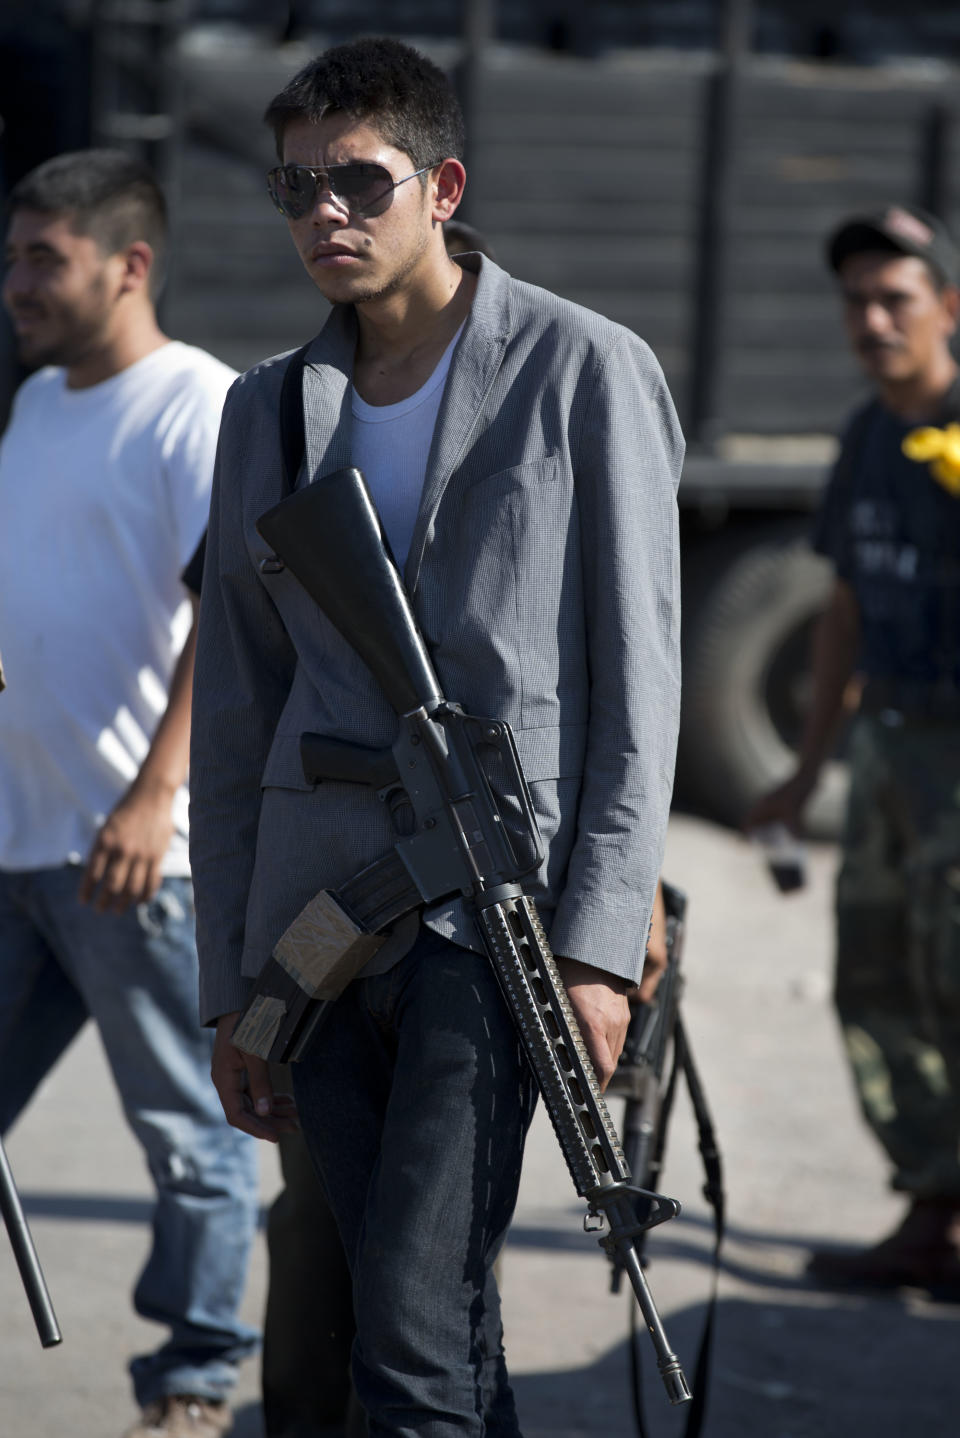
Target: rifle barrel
(25, 1254)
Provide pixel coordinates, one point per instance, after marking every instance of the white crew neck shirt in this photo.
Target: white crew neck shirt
(391, 445)
(104, 494)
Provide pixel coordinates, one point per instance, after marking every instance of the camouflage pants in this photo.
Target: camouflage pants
(898, 946)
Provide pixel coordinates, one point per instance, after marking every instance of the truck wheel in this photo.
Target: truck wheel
(749, 609)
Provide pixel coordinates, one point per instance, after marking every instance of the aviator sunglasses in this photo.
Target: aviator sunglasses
(361, 187)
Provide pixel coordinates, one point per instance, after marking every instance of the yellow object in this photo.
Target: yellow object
(951, 446)
(923, 444)
(946, 474)
(940, 450)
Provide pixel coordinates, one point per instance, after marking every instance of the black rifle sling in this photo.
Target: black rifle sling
(292, 447)
(292, 436)
(714, 1194)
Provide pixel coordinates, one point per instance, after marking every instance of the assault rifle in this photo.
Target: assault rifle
(656, 1052)
(473, 834)
(641, 1076)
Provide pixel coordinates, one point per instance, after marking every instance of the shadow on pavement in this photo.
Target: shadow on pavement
(93, 1207)
(831, 1368)
(746, 1255)
(840, 1368)
(551, 1237)
(670, 1243)
(87, 1207)
(790, 1361)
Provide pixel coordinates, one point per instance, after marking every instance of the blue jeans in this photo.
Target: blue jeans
(415, 1101)
(135, 975)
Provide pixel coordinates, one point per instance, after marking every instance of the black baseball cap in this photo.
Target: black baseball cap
(901, 230)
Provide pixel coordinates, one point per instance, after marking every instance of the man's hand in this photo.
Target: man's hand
(599, 1001)
(835, 692)
(782, 805)
(126, 862)
(245, 1088)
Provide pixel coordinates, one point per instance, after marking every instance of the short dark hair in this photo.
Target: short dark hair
(108, 195)
(459, 237)
(405, 96)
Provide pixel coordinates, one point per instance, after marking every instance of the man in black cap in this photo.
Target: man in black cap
(890, 524)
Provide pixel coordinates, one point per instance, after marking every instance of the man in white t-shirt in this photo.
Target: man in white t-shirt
(105, 475)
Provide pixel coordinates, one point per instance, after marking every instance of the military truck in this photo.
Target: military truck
(684, 191)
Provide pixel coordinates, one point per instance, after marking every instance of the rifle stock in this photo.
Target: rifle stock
(330, 538)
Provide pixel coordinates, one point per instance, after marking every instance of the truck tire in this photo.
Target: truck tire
(749, 608)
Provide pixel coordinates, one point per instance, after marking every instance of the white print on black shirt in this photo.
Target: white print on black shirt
(876, 549)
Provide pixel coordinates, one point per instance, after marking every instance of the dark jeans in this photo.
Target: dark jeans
(308, 1325)
(135, 975)
(415, 1102)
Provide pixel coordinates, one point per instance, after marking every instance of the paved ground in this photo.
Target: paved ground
(790, 1362)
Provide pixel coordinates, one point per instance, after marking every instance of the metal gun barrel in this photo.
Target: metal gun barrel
(668, 1364)
(25, 1254)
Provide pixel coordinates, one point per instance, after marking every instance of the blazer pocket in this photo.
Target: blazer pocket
(534, 471)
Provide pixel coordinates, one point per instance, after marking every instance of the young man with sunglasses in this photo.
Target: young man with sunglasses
(523, 454)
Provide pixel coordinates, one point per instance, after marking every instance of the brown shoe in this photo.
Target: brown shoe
(921, 1253)
(182, 1415)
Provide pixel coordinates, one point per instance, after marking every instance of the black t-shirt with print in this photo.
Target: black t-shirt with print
(893, 533)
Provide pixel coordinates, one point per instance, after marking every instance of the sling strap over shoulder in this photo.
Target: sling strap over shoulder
(292, 435)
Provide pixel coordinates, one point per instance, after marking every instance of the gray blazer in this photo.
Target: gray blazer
(544, 573)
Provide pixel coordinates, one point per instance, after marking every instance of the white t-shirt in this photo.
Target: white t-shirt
(104, 493)
(391, 445)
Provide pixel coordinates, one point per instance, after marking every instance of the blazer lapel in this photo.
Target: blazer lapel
(474, 367)
(327, 377)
